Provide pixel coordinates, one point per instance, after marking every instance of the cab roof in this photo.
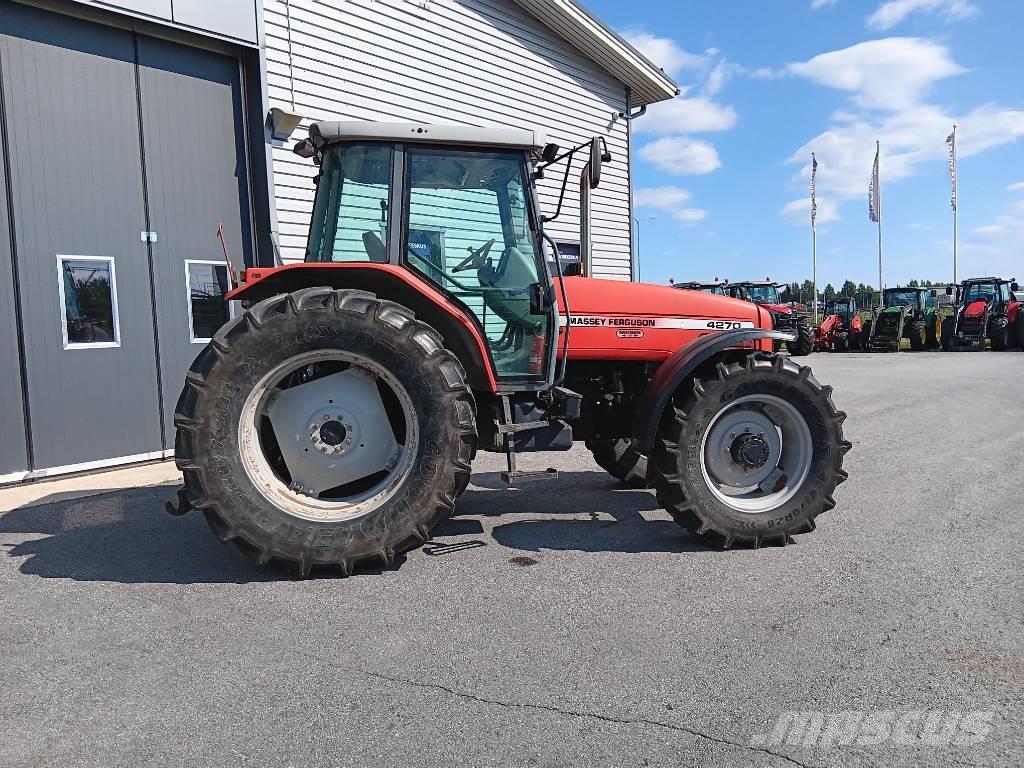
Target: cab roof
(326, 132)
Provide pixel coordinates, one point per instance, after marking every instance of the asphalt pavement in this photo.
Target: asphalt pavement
(569, 623)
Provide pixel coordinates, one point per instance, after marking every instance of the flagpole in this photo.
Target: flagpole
(954, 204)
(878, 196)
(814, 238)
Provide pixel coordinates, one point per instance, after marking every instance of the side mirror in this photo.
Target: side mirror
(949, 290)
(1014, 287)
(549, 153)
(597, 156)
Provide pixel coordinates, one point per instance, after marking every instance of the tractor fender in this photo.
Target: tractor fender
(451, 319)
(675, 371)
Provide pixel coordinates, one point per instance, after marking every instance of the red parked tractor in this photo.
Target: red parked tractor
(334, 421)
(765, 293)
(986, 308)
(841, 329)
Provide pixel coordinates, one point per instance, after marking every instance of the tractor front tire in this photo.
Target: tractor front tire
(932, 334)
(999, 333)
(351, 351)
(946, 334)
(804, 343)
(917, 334)
(620, 459)
(726, 418)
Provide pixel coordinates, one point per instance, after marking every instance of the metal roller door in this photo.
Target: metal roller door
(125, 153)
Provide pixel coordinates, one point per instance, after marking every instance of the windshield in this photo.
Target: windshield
(717, 289)
(898, 298)
(836, 308)
(763, 294)
(983, 291)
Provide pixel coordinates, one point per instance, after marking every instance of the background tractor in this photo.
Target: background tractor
(986, 308)
(765, 294)
(906, 313)
(334, 422)
(841, 329)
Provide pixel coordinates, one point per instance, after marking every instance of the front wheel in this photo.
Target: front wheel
(917, 335)
(325, 428)
(753, 454)
(804, 343)
(999, 334)
(620, 458)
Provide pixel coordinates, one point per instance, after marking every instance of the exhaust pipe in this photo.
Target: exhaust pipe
(585, 245)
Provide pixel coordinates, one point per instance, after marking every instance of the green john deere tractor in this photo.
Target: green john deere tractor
(906, 313)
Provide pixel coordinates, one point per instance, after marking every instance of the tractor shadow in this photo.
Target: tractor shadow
(615, 521)
(125, 536)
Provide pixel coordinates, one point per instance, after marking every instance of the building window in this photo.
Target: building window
(206, 283)
(569, 256)
(88, 297)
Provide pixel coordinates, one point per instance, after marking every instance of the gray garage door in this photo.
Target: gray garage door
(110, 135)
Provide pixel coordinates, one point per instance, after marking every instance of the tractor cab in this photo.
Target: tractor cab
(844, 308)
(765, 293)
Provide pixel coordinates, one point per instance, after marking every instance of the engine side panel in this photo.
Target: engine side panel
(613, 320)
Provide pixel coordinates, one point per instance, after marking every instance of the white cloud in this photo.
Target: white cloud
(682, 115)
(681, 155)
(799, 211)
(666, 52)
(1018, 187)
(816, 4)
(666, 198)
(892, 12)
(882, 74)
(691, 215)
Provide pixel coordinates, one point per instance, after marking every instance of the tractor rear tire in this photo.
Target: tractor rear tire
(999, 333)
(687, 457)
(804, 343)
(620, 459)
(1019, 328)
(918, 338)
(932, 335)
(228, 448)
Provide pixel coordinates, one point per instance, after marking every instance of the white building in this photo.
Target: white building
(132, 130)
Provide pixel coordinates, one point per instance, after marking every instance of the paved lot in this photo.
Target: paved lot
(130, 638)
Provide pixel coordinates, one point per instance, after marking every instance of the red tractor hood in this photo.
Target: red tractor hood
(780, 308)
(612, 319)
(975, 308)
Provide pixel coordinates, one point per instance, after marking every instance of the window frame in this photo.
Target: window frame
(63, 309)
(192, 338)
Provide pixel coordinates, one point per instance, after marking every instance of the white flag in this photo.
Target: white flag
(814, 200)
(951, 141)
(874, 203)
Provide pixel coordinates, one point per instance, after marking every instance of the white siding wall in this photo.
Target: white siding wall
(475, 62)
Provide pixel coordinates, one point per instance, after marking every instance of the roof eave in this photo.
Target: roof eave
(598, 42)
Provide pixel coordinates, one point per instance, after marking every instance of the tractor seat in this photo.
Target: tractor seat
(514, 272)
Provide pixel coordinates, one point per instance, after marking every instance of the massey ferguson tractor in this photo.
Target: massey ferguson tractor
(841, 329)
(765, 294)
(986, 308)
(335, 420)
(906, 313)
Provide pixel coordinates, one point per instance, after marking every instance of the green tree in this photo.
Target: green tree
(848, 289)
(830, 292)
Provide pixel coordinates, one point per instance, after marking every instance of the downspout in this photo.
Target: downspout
(628, 116)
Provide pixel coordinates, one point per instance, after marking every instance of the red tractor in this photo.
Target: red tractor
(986, 308)
(765, 294)
(841, 329)
(334, 422)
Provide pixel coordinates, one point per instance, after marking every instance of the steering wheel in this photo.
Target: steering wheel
(476, 258)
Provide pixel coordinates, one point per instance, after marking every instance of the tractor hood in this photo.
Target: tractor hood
(975, 308)
(781, 309)
(612, 319)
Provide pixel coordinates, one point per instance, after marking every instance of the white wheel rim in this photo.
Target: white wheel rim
(335, 436)
(768, 423)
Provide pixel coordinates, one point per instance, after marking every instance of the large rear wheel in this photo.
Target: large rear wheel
(325, 428)
(620, 459)
(752, 454)
(999, 333)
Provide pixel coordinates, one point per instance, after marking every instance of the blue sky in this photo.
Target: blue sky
(725, 168)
